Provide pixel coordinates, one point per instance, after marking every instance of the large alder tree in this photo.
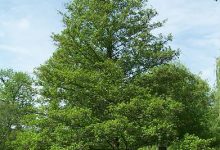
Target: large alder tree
(110, 84)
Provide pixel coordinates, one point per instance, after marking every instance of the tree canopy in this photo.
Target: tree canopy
(16, 100)
(113, 84)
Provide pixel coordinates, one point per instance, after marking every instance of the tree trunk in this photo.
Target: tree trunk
(162, 148)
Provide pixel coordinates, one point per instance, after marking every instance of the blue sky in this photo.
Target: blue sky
(26, 26)
(25, 29)
(195, 26)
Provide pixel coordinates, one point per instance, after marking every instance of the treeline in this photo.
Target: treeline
(111, 85)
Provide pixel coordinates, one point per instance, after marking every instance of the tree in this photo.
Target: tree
(215, 120)
(179, 84)
(96, 88)
(15, 100)
(194, 142)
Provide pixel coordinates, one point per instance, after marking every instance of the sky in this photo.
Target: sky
(26, 27)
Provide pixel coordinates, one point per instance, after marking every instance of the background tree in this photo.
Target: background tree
(16, 95)
(178, 83)
(193, 142)
(215, 120)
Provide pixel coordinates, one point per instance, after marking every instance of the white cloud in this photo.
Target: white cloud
(23, 23)
(206, 73)
(13, 49)
(19, 24)
(195, 26)
(25, 31)
(187, 14)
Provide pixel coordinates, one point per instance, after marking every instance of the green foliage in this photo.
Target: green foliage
(16, 99)
(119, 30)
(194, 142)
(179, 84)
(148, 148)
(215, 119)
(110, 84)
(88, 91)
